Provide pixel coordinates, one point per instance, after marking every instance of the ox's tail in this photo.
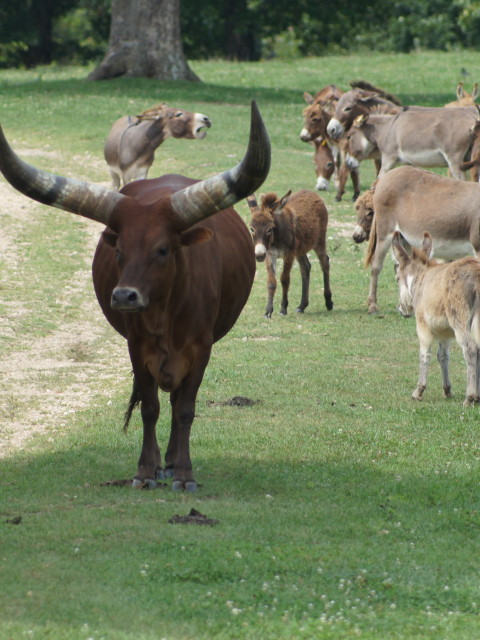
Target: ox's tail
(134, 402)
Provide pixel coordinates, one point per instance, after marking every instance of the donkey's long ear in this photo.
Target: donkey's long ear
(284, 200)
(399, 252)
(427, 244)
(252, 201)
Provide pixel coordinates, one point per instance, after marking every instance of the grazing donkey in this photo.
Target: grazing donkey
(446, 300)
(287, 228)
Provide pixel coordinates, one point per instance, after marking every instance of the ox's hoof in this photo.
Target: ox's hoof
(299, 310)
(329, 304)
(372, 309)
(148, 483)
(190, 486)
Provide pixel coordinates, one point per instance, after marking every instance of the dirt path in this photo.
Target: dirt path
(44, 381)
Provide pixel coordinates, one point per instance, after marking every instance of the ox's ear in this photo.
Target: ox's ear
(475, 91)
(427, 244)
(195, 236)
(398, 249)
(309, 99)
(110, 237)
(459, 91)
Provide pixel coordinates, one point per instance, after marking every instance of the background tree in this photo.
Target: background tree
(145, 41)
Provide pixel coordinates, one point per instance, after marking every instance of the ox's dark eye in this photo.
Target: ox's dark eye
(161, 252)
(370, 213)
(329, 164)
(179, 114)
(347, 108)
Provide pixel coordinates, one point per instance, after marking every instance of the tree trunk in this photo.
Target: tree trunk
(145, 42)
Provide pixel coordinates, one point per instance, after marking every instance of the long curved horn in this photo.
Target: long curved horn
(83, 198)
(203, 199)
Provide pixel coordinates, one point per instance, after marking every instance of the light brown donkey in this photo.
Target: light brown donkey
(446, 300)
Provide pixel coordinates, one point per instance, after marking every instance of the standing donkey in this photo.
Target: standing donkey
(446, 300)
(288, 228)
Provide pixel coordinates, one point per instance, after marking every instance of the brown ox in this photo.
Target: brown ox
(429, 137)
(168, 285)
(446, 301)
(355, 103)
(132, 141)
(412, 201)
(316, 117)
(464, 99)
(288, 228)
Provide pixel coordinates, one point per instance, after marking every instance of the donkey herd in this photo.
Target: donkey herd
(172, 278)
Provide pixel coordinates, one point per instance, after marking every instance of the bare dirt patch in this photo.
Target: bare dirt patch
(44, 381)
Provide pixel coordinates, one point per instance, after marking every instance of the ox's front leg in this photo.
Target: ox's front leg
(149, 464)
(285, 280)
(182, 400)
(305, 268)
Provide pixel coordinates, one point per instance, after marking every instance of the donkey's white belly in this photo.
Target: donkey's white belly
(422, 157)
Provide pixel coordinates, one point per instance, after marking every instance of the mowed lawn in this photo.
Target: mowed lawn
(342, 509)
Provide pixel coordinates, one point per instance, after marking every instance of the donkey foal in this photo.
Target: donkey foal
(288, 228)
(445, 298)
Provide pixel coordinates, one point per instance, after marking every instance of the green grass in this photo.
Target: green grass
(345, 510)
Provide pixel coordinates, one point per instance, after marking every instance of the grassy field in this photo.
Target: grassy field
(344, 509)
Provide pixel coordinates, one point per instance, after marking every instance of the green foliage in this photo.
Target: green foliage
(345, 509)
(34, 32)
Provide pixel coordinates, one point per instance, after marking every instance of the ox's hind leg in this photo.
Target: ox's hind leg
(304, 264)
(443, 357)
(285, 280)
(325, 264)
(182, 400)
